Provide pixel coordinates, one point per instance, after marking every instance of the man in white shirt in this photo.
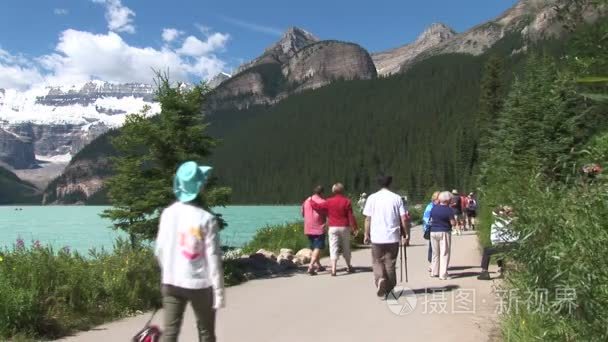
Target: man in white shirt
(385, 225)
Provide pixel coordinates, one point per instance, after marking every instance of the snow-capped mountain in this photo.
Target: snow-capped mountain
(84, 104)
(60, 120)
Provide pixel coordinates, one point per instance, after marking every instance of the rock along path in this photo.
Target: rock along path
(299, 307)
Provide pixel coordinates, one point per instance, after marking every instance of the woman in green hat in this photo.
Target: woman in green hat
(188, 251)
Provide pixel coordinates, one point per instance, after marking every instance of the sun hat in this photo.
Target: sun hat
(188, 180)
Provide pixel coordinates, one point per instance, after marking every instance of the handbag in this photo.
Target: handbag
(427, 234)
(150, 333)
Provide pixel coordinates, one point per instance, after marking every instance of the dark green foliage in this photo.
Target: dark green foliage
(547, 131)
(16, 191)
(414, 126)
(491, 100)
(150, 151)
(102, 148)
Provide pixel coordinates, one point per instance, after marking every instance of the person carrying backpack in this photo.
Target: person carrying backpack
(471, 210)
(456, 205)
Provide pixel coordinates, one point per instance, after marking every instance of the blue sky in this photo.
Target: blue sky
(42, 39)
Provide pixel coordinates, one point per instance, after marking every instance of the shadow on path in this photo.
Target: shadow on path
(461, 268)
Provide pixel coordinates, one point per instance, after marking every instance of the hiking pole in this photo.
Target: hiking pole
(401, 266)
(405, 263)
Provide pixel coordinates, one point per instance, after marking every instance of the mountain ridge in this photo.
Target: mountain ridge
(391, 61)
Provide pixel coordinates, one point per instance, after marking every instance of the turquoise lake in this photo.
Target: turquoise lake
(81, 228)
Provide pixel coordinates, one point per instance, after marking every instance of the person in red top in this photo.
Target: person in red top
(341, 222)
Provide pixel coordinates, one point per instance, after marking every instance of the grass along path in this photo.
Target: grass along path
(299, 307)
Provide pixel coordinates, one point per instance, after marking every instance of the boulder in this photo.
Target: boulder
(304, 255)
(267, 254)
(285, 253)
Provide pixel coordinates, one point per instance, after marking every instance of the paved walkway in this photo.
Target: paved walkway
(345, 308)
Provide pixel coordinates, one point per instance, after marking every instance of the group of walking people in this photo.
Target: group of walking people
(442, 216)
(337, 212)
(386, 227)
(188, 249)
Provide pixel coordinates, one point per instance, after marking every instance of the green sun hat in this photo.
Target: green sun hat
(189, 179)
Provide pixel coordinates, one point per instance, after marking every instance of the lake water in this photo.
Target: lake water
(81, 228)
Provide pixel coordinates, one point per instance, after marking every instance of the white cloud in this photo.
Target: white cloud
(81, 56)
(119, 17)
(195, 47)
(61, 11)
(253, 26)
(170, 34)
(17, 72)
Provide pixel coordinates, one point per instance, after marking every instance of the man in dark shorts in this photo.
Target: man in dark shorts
(314, 228)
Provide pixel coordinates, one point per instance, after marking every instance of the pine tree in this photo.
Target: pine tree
(150, 150)
(491, 101)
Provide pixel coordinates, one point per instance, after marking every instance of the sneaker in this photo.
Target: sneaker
(350, 269)
(445, 277)
(381, 287)
(312, 272)
(485, 275)
(321, 269)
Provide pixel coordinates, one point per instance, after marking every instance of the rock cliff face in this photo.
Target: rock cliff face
(58, 139)
(16, 151)
(78, 182)
(297, 62)
(217, 80)
(320, 63)
(531, 20)
(391, 61)
(292, 41)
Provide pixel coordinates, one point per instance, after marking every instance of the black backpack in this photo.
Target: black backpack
(472, 205)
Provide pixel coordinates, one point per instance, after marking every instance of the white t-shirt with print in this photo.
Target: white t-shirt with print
(385, 209)
(188, 248)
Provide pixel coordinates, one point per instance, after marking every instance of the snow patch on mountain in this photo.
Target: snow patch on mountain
(93, 102)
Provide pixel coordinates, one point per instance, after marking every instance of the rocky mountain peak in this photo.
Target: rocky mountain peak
(436, 32)
(218, 79)
(293, 40)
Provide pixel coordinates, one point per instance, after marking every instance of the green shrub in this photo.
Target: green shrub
(273, 238)
(48, 293)
(562, 248)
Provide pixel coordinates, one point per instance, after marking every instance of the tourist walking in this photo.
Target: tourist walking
(361, 201)
(426, 224)
(503, 240)
(386, 225)
(342, 224)
(456, 205)
(188, 251)
(442, 221)
(314, 229)
(471, 211)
